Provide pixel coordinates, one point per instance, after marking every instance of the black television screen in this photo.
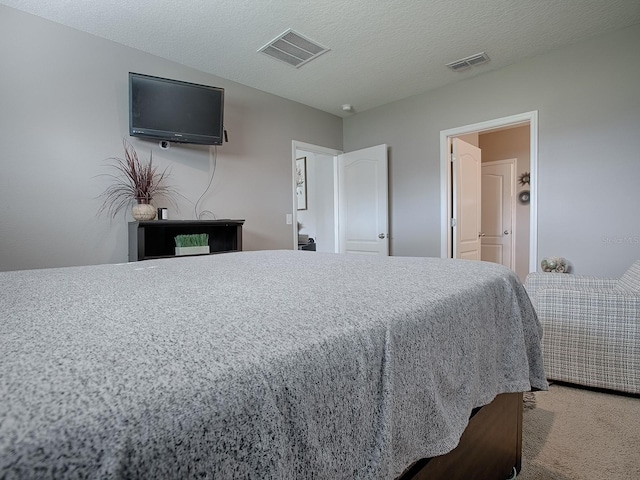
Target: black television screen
(175, 111)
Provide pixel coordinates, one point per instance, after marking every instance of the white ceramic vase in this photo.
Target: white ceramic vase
(143, 210)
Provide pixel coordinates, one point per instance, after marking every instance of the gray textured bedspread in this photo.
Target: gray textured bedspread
(275, 364)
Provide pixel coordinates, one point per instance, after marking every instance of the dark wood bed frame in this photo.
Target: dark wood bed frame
(490, 447)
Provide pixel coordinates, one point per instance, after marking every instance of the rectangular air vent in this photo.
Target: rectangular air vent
(468, 62)
(293, 48)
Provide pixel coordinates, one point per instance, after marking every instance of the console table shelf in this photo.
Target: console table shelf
(155, 239)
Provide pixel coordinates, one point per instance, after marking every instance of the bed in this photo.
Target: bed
(269, 364)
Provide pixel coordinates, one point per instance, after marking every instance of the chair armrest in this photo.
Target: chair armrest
(539, 280)
(588, 305)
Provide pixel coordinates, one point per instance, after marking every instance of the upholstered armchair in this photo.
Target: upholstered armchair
(591, 328)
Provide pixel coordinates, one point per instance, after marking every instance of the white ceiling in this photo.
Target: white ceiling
(381, 50)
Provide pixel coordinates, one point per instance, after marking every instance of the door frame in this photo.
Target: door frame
(308, 147)
(445, 177)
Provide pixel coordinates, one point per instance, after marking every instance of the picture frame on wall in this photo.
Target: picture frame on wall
(301, 182)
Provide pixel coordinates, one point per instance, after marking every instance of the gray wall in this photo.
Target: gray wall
(64, 106)
(588, 99)
(63, 112)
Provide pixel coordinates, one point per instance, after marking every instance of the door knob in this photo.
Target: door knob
(381, 235)
(506, 232)
(481, 234)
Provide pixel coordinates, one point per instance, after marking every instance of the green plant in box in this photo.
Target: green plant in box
(192, 240)
(194, 244)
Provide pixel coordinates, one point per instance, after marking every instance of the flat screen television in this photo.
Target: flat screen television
(176, 111)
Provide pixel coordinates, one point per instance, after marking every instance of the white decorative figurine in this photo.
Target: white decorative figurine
(554, 265)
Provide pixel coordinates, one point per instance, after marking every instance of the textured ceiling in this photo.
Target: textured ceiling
(381, 50)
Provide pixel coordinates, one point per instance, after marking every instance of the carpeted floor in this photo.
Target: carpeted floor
(577, 434)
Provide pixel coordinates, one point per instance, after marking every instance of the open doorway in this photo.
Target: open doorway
(316, 183)
(494, 135)
(340, 199)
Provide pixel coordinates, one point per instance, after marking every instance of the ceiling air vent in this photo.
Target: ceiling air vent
(468, 62)
(293, 48)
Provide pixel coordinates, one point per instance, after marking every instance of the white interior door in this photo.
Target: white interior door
(466, 200)
(498, 208)
(363, 201)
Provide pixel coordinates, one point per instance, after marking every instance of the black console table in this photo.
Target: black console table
(155, 239)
